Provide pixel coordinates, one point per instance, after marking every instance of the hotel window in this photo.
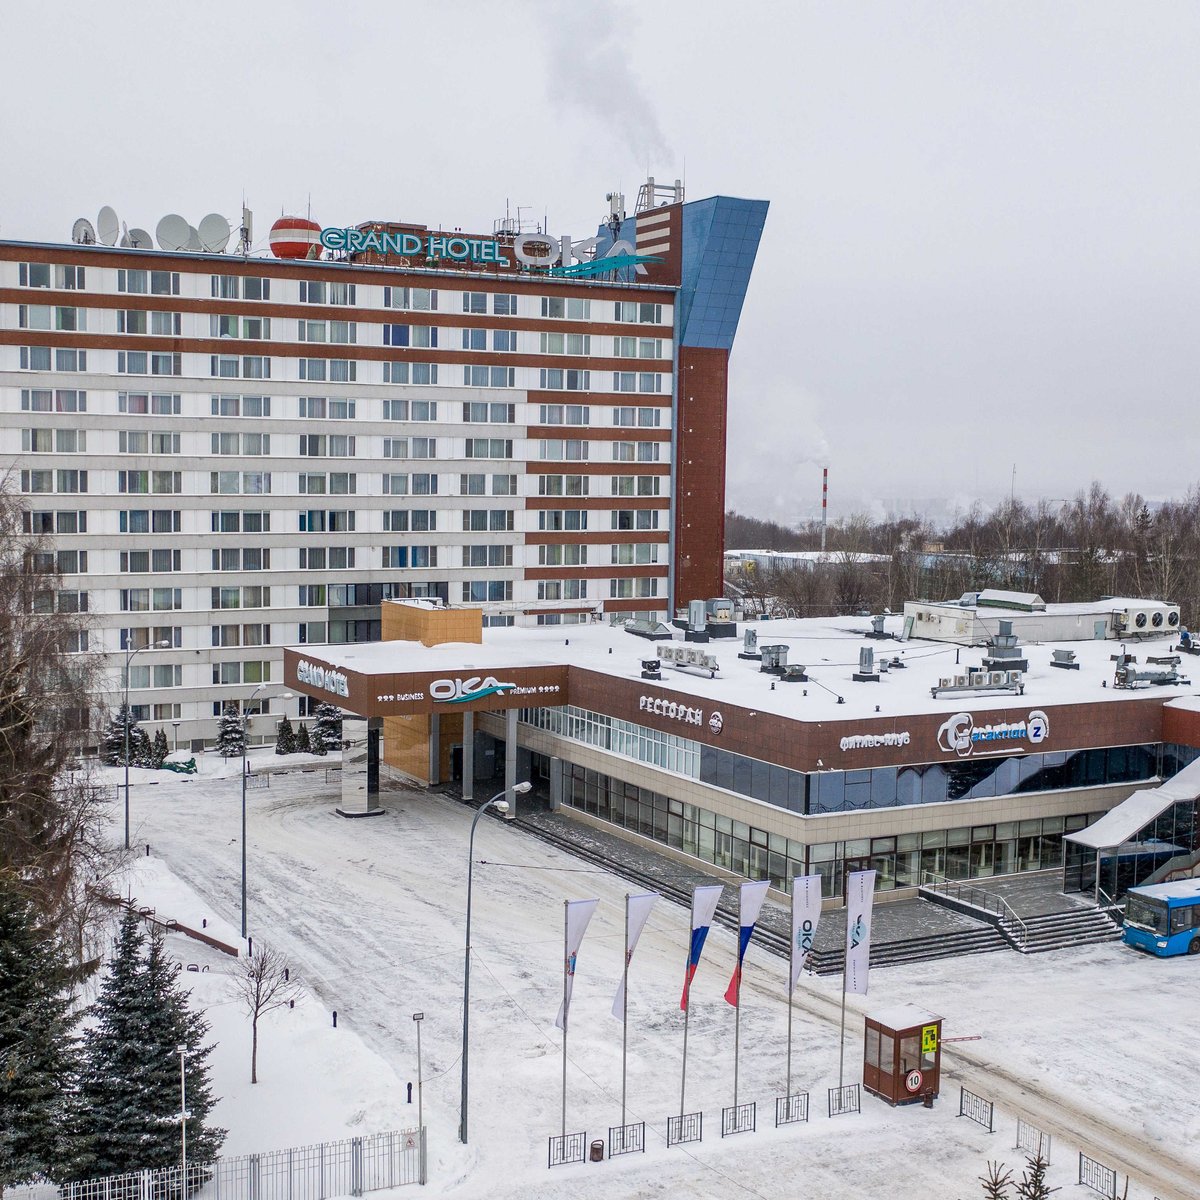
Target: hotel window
(489, 377)
(635, 485)
(504, 485)
(627, 589)
(504, 340)
(410, 410)
(240, 406)
(421, 336)
(37, 441)
(481, 412)
(250, 328)
(562, 589)
(336, 370)
(37, 482)
(633, 347)
(489, 448)
(562, 556)
(243, 521)
(241, 444)
(472, 485)
(481, 591)
(312, 292)
(565, 414)
(563, 485)
(71, 481)
(137, 562)
(487, 556)
(566, 450)
(641, 518)
(70, 360)
(421, 447)
(642, 314)
(569, 309)
(630, 553)
(554, 379)
(35, 316)
(645, 418)
(413, 299)
(35, 358)
(485, 520)
(474, 339)
(343, 483)
(156, 283)
(558, 520)
(504, 304)
(475, 302)
(38, 275)
(566, 343)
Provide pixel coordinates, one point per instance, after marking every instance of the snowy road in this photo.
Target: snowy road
(372, 911)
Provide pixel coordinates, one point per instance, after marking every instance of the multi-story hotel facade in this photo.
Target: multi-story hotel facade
(234, 453)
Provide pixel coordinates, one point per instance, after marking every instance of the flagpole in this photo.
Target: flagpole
(791, 995)
(737, 1032)
(566, 977)
(625, 1010)
(687, 1012)
(845, 968)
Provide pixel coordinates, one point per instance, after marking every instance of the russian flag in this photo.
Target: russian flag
(704, 905)
(750, 902)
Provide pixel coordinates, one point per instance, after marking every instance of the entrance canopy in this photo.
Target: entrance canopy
(1124, 822)
(397, 678)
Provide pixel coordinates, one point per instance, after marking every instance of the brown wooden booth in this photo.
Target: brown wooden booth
(902, 1054)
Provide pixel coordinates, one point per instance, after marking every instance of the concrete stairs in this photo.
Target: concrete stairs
(1061, 930)
(926, 948)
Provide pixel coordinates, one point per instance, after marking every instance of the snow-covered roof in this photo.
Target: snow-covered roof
(1123, 822)
(827, 647)
(903, 1016)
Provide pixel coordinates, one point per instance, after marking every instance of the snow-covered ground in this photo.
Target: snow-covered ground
(1095, 1045)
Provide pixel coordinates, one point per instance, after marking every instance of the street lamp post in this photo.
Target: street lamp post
(175, 725)
(245, 723)
(501, 805)
(182, 1052)
(130, 651)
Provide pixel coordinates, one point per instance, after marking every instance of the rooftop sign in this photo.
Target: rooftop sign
(534, 250)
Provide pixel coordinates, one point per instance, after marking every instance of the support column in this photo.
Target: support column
(360, 767)
(435, 749)
(510, 760)
(468, 756)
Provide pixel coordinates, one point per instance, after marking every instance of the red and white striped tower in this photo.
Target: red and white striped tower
(296, 237)
(824, 504)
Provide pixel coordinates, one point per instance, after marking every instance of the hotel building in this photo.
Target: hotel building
(235, 453)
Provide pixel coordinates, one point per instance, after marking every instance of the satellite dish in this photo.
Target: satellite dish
(139, 239)
(83, 232)
(193, 241)
(108, 226)
(214, 233)
(172, 232)
(125, 235)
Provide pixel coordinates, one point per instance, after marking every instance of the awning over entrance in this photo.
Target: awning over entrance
(1122, 824)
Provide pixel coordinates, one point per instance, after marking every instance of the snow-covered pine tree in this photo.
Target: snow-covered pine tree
(159, 750)
(140, 752)
(127, 1116)
(112, 746)
(1033, 1185)
(327, 726)
(303, 743)
(285, 737)
(38, 1050)
(231, 737)
(316, 743)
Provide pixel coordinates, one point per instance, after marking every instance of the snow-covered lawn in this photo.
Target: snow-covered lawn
(1093, 1045)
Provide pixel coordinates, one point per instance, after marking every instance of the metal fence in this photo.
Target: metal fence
(627, 1139)
(1097, 1176)
(687, 1127)
(976, 1108)
(739, 1118)
(791, 1109)
(346, 1168)
(1032, 1140)
(257, 779)
(844, 1100)
(566, 1148)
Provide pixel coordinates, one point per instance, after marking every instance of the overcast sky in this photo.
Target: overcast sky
(981, 249)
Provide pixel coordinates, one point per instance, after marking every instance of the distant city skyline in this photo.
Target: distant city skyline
(980, 250)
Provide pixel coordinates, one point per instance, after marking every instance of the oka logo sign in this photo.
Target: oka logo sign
(462, 691)
(960, 735)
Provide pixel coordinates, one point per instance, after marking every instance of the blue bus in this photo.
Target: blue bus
(1164, 918)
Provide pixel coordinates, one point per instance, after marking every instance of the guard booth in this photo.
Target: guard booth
(902, 1055)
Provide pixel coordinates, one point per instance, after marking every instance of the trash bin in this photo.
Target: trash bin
(597, 1154)
(927, 1099)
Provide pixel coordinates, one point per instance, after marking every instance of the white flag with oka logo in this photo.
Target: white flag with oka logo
(637, 912)
(806, 913)
(860, 893)
(578, 914)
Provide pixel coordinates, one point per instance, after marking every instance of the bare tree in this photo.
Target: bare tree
(264, 983)
(51, 840)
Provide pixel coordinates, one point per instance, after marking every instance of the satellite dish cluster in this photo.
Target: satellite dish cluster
(172, 233)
